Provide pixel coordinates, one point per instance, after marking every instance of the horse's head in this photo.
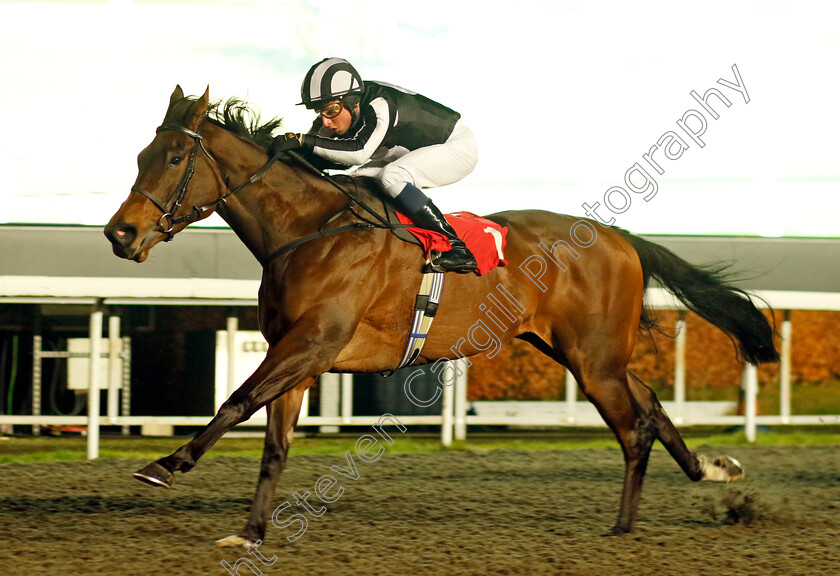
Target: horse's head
(177, 182)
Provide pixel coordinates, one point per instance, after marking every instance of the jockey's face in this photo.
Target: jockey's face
(340, 123)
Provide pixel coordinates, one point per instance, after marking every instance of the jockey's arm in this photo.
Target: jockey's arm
(359, 144)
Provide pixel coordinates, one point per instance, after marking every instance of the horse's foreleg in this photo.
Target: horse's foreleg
(282, 418)
(302, 353)
(721, 469)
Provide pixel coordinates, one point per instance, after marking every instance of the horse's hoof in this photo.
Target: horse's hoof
(235, 541)
(722, 469)
(156, 475)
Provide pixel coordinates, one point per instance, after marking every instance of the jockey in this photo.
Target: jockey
(401, 138)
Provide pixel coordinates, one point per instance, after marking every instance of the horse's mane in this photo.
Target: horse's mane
(237, 116)
(234, 115)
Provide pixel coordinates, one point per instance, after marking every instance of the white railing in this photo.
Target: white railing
(453, 420)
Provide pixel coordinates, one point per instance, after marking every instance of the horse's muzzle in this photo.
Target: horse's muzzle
(122, 237)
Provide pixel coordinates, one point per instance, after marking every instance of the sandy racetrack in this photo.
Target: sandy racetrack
(460, 512)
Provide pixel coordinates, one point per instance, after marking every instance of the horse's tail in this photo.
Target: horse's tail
(704, 291)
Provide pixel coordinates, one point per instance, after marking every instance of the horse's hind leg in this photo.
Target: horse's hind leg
(634, 431)
(665, 431)
(600, 371)
(282, 418)
(720, 469)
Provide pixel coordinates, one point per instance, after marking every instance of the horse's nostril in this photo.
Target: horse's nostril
(121, 234)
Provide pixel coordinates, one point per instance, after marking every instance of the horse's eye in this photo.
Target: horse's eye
(175, 161)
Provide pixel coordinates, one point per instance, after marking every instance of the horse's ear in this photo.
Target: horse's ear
(177, 94)
(198, 110)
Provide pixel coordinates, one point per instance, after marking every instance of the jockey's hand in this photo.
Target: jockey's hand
(284, 143)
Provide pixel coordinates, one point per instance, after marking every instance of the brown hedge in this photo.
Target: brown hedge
(520, 372)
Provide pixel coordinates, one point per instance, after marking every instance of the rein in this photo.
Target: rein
(168, 220)
(308, 165)
(321, 233)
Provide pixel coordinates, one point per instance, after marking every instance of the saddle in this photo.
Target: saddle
(485, 239)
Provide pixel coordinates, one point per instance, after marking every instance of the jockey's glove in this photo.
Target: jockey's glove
(284, 143)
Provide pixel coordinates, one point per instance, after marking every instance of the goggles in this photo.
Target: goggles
(331, 110)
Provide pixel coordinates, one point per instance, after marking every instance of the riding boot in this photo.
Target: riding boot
(419, 207)
(459, 259)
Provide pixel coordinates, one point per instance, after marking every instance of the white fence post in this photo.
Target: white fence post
(447, 406)
(126, 382)
(232, 329)
(329, 399)
(347, 398)
(460, 398)
(750, 400)
(93, 384)
(679, 372)
(785, 369)
(114, 369)
(571, 397)
(37, 366)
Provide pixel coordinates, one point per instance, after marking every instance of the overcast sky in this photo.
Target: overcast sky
(564, 96)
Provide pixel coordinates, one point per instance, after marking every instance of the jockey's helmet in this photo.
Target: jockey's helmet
(328, 80)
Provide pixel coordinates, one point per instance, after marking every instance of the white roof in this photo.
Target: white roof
(74, 264)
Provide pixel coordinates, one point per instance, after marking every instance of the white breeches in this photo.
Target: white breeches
(427, 167)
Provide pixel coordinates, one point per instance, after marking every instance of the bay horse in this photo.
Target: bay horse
(344, 302)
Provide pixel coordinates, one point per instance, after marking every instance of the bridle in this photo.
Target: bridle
(168, 220)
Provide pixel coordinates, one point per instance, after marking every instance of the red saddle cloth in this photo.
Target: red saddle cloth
(485, 239)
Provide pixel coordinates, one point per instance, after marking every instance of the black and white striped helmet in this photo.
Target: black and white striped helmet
(330, 79)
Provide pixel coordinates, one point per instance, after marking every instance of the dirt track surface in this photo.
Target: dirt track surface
(497, 512)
